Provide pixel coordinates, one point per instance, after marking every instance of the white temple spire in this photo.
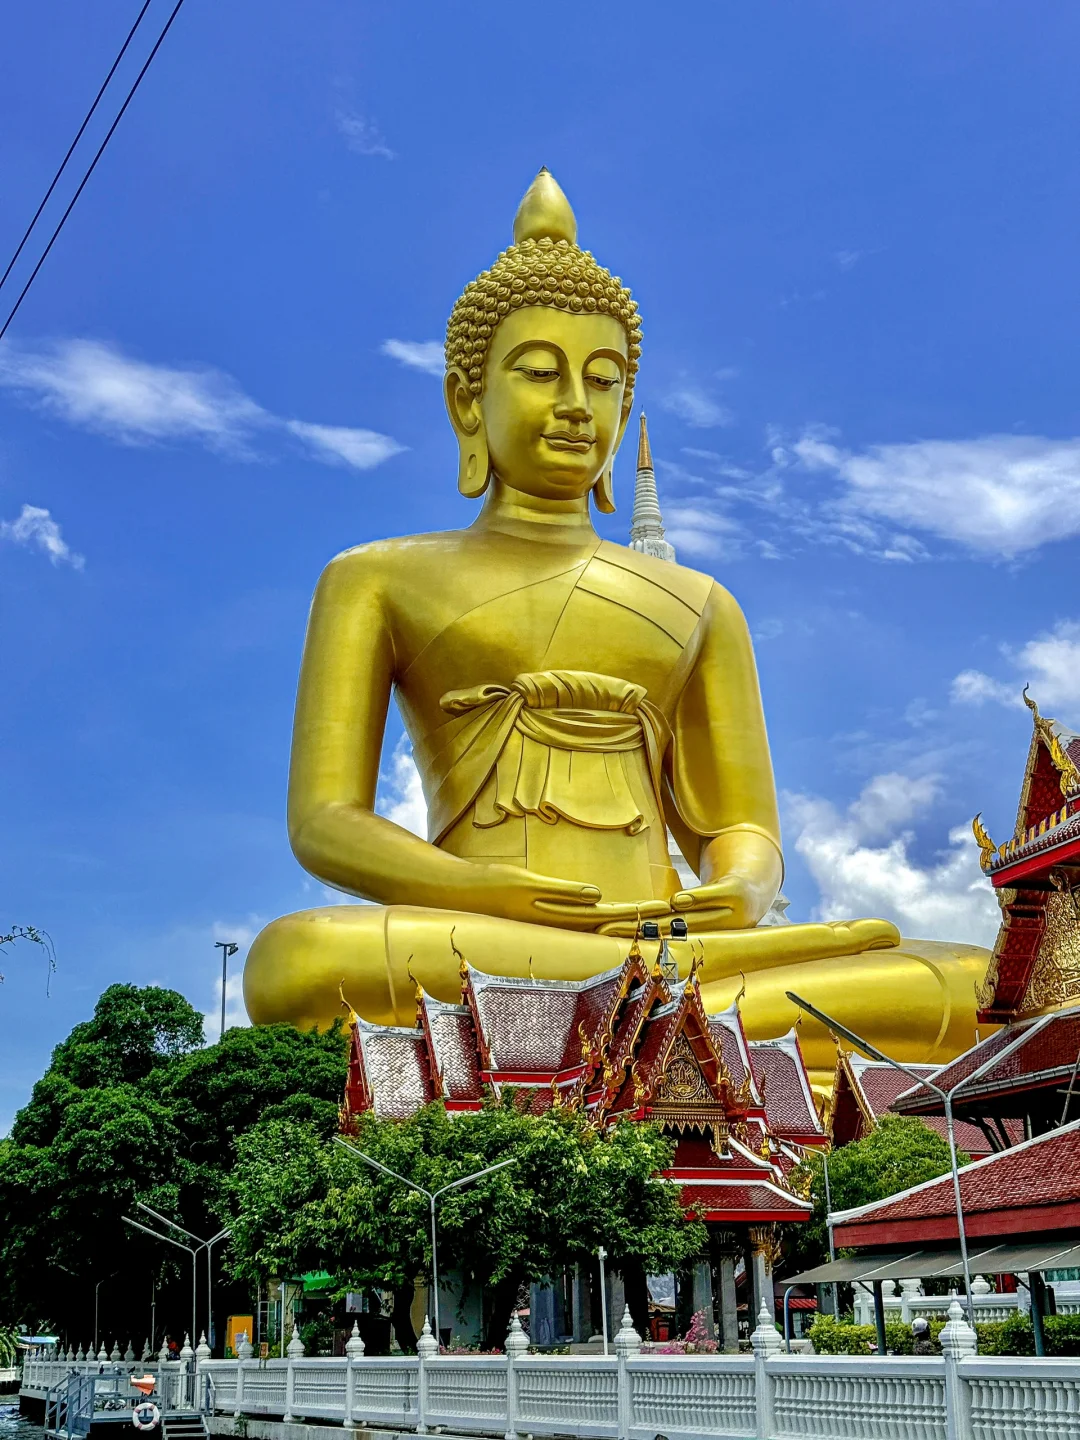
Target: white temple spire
(646, 523)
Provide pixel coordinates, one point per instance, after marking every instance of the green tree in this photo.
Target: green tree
(901, 1151)
(135, 1107)
(302, 1203)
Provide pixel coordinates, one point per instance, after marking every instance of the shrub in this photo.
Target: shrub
(996, 1337)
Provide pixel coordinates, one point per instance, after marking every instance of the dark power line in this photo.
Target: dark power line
(71, 148)
(91, 167)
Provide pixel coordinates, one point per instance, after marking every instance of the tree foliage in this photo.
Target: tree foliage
(135, 1107)
(303, 1203)
(899, 1152)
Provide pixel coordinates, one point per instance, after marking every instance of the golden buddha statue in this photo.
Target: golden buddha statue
(570, 701)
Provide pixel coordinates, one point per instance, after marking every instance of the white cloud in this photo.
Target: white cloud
(401, 796)
(362, 135)
(998, 495)
(97, 387)
(425, 355)
(37, 530)
(340, 445)
(949, 899)
(696, 406)
(697, 530)
(94, 385)
(847, 259)
(1049, 664)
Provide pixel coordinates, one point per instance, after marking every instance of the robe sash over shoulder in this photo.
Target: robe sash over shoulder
(557, 744)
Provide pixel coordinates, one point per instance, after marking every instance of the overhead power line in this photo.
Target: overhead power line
(78, 136)
(92, 166)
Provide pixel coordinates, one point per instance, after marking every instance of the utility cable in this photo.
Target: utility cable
(92, 166)
(71, 148)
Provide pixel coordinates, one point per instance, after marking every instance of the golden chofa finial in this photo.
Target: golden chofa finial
(1031, 703)
(353, 1016)
(544, 212)
(644, 454)
(987, 848)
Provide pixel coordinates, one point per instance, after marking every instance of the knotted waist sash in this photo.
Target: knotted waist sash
(557, 744)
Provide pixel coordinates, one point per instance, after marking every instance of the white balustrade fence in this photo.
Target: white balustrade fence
(629, 1395)
(910, 1304)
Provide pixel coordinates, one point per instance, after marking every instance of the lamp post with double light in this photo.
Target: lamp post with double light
(432, 1196)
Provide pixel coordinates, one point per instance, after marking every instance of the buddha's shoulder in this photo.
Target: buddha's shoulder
(689, 586)
(394, 558)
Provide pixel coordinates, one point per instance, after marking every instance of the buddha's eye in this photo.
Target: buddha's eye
(603, 382)
(535, 372)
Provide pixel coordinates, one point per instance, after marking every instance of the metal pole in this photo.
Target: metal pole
(959, 1205)
(435, 1276)
(227, 948)
(432, 1196)
(946, 1098)
(97, 1287)
(602, 1255)
(828, 1222)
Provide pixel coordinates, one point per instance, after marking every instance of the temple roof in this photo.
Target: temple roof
(864, 1090)
(1048, 815)
(1033, 1187)
(784, 1085)
(628, 1043)
(1047, 1057)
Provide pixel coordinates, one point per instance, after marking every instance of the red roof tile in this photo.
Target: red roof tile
(1033, 1176)
(396, 1067)
(720, 1201)
(454, 1042)
(782, 1079)
(1053, 1044)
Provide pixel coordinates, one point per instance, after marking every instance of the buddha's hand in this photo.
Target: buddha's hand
(514, 893)
(729, 903)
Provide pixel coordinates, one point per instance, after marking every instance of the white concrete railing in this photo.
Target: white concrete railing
(635, 1396)
(912, 1304)
(175, 1388)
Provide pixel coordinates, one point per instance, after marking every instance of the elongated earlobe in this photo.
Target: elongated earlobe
(604, 493)
(474, 467)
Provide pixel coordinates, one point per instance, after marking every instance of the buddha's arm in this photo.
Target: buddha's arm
(723, 778)
(344, 693)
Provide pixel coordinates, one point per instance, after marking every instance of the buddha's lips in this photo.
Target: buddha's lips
(563, 441)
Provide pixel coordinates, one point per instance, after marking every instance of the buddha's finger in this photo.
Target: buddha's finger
(611, 912)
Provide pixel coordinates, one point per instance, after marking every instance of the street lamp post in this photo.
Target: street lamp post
(200, 1244)
(601, 1255)
(946, 1097)
(432, 1196)
(227, 948)
(180, 1246)
(97, 1287)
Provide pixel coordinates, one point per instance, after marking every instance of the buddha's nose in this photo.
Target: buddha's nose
(573, 402)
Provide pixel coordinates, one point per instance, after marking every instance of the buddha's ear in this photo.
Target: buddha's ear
(604, 489)
(463, 407)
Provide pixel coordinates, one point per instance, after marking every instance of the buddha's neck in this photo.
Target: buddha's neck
(534, 517)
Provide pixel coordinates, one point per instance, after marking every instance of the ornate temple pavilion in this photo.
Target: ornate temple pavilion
(1036, 961)
(634, 1044)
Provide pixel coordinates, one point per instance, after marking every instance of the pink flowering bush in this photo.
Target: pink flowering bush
(696, 1341)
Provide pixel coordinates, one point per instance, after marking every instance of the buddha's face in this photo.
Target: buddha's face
(552, 405)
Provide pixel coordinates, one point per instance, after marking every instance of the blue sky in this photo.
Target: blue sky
(851, 229)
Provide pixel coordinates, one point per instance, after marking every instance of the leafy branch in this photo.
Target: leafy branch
(36, 937)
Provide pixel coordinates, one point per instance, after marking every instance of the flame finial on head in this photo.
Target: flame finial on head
(544, 212)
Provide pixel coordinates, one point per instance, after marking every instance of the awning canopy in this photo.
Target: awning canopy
(945, 1264)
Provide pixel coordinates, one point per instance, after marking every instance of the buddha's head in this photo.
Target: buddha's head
(541, 354)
